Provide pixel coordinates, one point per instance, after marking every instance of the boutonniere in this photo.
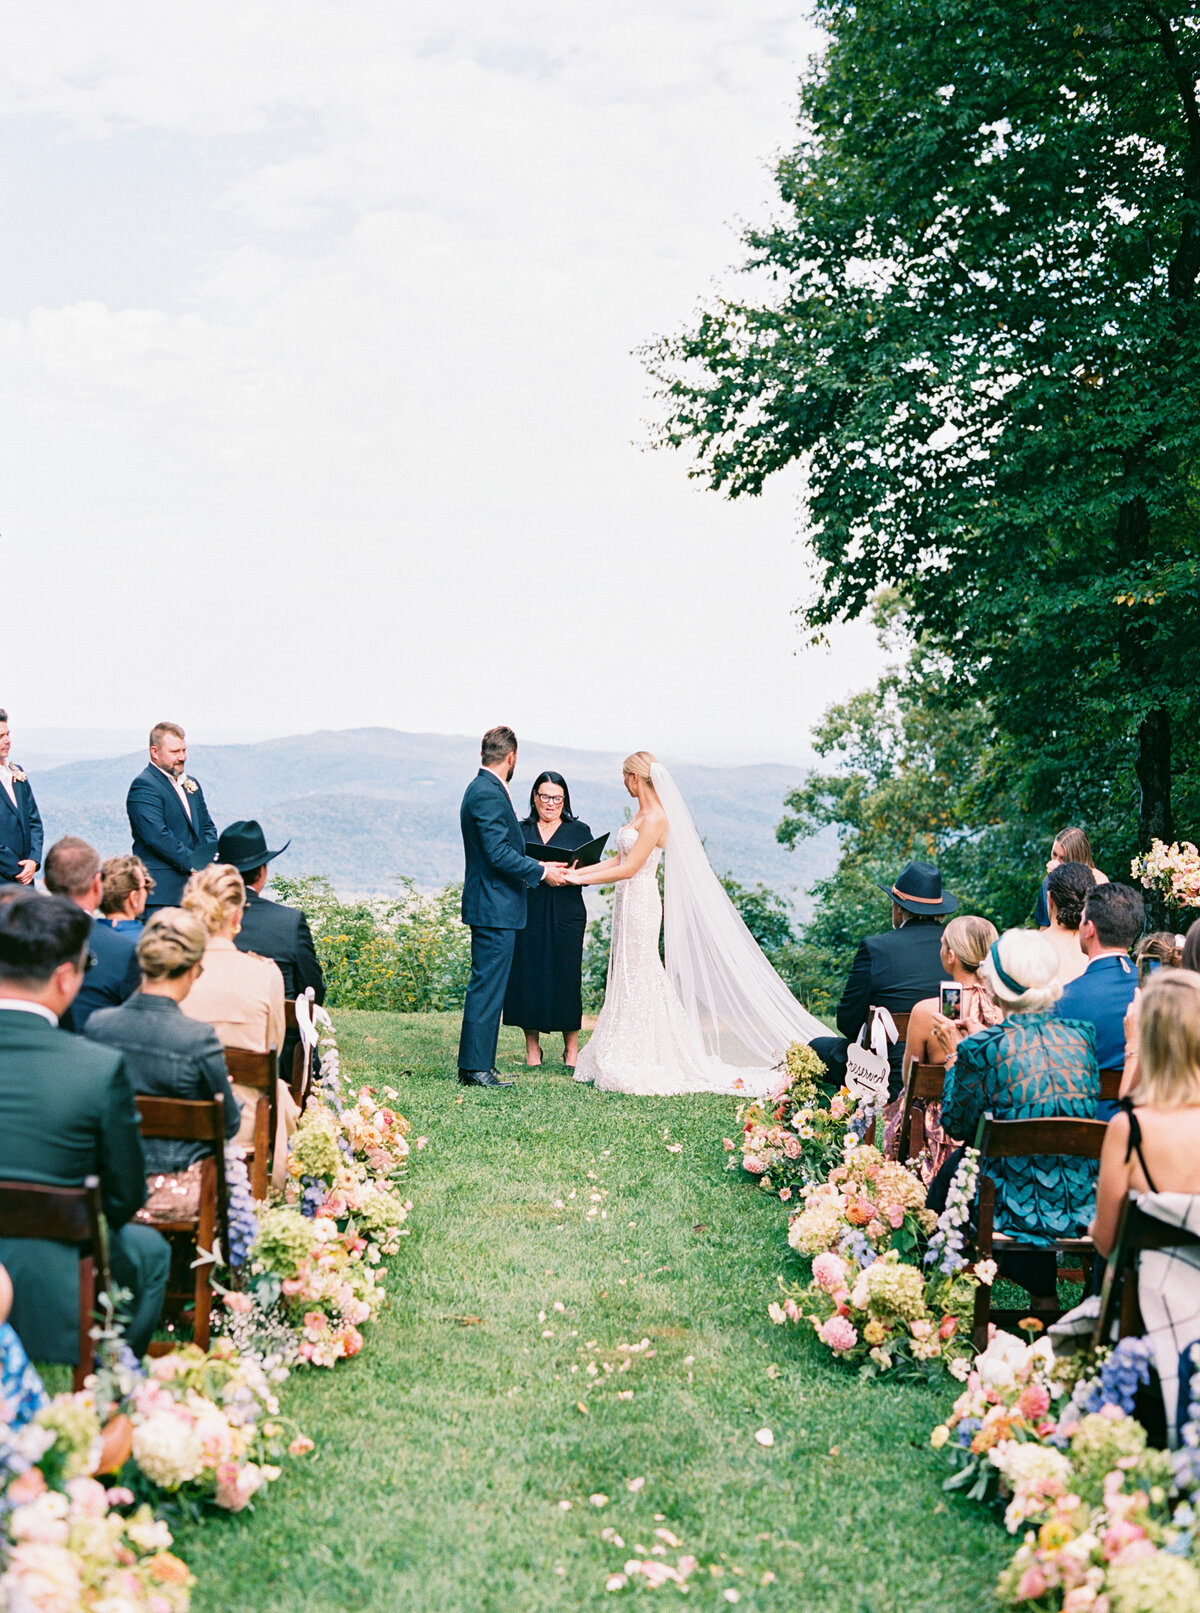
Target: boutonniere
(19, 774)
(189, 784)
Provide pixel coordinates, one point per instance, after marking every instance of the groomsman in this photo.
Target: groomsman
(173, 832)
(20, 822)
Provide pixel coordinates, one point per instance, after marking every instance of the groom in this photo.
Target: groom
(493, 901)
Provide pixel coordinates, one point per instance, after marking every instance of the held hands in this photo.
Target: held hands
(573, 876)
(556, 874)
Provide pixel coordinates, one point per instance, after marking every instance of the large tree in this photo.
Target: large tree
(979, 335)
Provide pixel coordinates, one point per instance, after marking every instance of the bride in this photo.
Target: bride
(717, 1018)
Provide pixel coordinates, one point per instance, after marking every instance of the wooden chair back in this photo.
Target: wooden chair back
(1055, 1135)
(194, 1120)
(1119, 1296)
(1110, 1085)
(69, 1215)
(259, 1071)
(924, 1085)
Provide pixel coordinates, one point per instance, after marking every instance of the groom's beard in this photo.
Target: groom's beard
(508, 777)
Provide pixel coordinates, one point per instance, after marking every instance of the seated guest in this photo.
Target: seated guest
(73, 871)
(125, 887)
(1071, 846)
(1028, 1066)
(20, 822)
(1112, 920)
(965, 944)
(169, 1055)
(22, 1395)
(1189, 957)
(894, 970)
(271, 929)
(1161, 948)
(239, 995)
(1067, 888)
(66, 1113)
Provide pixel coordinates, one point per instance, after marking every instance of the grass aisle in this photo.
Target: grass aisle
(448, 1451)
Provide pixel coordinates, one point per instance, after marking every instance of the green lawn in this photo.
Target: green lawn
(448, 1450)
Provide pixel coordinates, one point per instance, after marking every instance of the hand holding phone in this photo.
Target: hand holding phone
(951, 1000)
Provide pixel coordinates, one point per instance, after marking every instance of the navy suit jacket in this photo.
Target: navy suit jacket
(1100, 996)
(498, 872)
(169, 844)
(282, 933)
(112, 979)
(895, 970)
(20, 831)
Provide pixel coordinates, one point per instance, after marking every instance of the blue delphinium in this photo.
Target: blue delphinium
(1119, 1377)
(243, 1222)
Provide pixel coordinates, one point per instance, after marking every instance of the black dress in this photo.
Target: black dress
(545, 991)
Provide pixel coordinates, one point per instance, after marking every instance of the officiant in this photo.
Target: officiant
(545, 984)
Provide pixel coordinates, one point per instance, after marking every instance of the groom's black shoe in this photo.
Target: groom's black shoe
(482, 1078)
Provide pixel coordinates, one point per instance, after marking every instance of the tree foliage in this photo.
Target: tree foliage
(981, 340)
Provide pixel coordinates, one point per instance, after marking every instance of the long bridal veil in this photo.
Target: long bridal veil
(746, 1016)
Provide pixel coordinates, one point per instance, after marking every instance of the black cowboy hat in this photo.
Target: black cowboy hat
(244, 845)
(918, 889)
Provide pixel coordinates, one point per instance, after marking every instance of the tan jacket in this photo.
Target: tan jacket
(241, 997)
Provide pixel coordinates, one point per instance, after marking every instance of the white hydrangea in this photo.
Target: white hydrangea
(168, 1450)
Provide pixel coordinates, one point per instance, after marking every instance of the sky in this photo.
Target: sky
(319, 399)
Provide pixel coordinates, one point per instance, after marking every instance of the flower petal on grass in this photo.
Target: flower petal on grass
(765, 1437)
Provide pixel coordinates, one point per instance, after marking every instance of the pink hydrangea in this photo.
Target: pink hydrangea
(839, 1334)
(829, 1272)
(1034, 1402)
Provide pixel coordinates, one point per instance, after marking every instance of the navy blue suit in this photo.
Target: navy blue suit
(498, 874)
(169, 844)
(20, 831)
(1100, 997)
(112, 979)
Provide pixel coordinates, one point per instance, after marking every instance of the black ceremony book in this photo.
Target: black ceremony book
(582, 857)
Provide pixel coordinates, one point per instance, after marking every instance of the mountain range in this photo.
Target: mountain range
(365, 805)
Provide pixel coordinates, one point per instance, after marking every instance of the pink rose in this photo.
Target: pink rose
(753, 1164)
(293, 1286)
(351, 1340)
(88, 1497)
(1034, 1402)
(792, 1146)
(829, 1272)
(241, 1303)
(785, 1194)
(839, 1334)
(1032, 1584)
(895, 1215)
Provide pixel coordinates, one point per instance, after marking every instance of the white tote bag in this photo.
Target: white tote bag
(868, 1069)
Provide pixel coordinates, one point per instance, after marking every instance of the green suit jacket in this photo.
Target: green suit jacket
(66, 1112)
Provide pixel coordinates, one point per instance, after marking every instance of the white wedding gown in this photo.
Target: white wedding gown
(718, 1018)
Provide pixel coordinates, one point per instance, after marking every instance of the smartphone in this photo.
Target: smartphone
(1147, 967)
(951, 999)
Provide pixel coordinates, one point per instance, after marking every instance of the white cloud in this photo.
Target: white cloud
(369, 451)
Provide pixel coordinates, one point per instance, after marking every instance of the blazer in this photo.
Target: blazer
(282, 934)
(20, 831)
(240, 996)
(66, 1112)
(498, 873)
(895, 970)
(1026, 1068)
(113, 977)
(1100, 996)
(169, 844)
(167, 1055)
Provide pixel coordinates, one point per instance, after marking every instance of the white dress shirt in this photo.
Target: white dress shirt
(24, 1006)
(6, 779)
(179, 790)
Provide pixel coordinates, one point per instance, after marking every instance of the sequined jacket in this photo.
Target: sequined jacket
(1028, 1067)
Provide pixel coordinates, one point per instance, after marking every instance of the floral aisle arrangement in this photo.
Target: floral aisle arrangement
(872, 1299)
(66, 1541)
(1108, 1523)
(1173, 871)
(796, 1137)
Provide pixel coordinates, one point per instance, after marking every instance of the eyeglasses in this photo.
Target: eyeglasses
(549, 800)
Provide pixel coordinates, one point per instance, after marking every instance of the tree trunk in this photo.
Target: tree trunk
(1153, 766)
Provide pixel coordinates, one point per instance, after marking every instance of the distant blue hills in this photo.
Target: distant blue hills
(365, 805)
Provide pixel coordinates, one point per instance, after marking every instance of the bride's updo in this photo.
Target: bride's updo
(639, 764)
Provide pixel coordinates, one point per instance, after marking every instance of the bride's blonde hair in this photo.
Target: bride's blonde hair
(639, 764)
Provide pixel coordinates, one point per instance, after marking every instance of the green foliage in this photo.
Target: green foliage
(980, 336)
(411, 953)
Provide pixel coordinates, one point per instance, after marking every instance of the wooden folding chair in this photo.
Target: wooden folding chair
(1056, 1136)
(203, 1121)
(69, 1215)
(1110, 1085)
(924, 1085)
(260, 1071)
(1119, 1296)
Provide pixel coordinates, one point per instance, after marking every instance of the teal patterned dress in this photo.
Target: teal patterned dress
(1027, 1068)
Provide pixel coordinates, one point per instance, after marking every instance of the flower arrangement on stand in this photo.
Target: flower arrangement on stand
(1173, 871)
